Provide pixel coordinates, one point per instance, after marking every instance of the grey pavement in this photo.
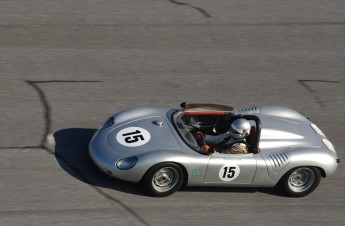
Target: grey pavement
(65, 66)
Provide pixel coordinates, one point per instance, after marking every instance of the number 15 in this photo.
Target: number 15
(229, 172)
(133, 139)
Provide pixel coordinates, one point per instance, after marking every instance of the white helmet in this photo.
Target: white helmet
(239, 128)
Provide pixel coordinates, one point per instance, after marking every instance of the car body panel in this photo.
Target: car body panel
(161, 137)
(220, 164)
(287, 141)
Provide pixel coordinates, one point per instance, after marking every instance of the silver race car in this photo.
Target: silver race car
(159, 148)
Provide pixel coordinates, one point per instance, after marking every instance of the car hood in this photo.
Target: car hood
(141, 130)
(284, 127)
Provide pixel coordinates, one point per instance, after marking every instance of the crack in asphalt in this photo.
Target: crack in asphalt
(47, 112)
(316, 97)
(47, 130)
(55, 211)
(63, 81)
(101, 192)
(46, 107)
(21, 147)
(89, 26)
(201, 10)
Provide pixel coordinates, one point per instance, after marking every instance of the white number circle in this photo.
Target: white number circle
(133, 136)
(229, 172)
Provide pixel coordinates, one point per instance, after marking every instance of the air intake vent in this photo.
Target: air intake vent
(246, 111)
(278, 160)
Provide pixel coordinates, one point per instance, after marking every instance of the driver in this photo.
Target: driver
(231, 142)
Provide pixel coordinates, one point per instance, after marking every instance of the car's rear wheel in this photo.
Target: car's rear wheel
(163, 179)
(300, 181)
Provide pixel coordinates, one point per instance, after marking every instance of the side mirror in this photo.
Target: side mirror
(183, 105)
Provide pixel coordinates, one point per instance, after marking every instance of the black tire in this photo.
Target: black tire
(300, 181)
(163, 179)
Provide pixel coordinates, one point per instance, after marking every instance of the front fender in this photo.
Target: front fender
(280, 162)
(194, 163)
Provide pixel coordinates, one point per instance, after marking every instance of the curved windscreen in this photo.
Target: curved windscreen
(207, 109)
(188, 123)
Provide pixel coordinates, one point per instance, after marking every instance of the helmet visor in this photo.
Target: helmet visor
(233, 131)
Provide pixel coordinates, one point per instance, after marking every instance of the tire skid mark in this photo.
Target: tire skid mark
(47, 130)
(201, 10)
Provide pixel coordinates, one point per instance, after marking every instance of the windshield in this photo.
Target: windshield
(207, 109)
(186, 132)
(187, 124)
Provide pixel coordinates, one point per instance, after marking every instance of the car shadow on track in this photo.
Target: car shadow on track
(270, 191)
(71, 152)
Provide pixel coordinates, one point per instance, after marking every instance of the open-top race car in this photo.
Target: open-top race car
(159, 147)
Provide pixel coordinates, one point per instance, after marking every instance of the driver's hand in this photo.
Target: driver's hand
(199, 134)
(206, 149)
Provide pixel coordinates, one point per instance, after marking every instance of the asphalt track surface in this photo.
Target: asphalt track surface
(67, 65)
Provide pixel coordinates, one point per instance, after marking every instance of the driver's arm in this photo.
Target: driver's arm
(214, 140)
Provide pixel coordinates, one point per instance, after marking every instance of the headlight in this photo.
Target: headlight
(317, 130)
(328, 144)
(108, 123)
(126, 163)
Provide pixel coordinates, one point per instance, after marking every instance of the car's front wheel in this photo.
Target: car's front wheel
(163, 179)
(300, 181)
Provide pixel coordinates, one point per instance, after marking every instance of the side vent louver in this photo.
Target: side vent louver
(278, 160)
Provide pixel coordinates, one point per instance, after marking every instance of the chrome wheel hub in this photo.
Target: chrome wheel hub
(165, 179)
(301, 179)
